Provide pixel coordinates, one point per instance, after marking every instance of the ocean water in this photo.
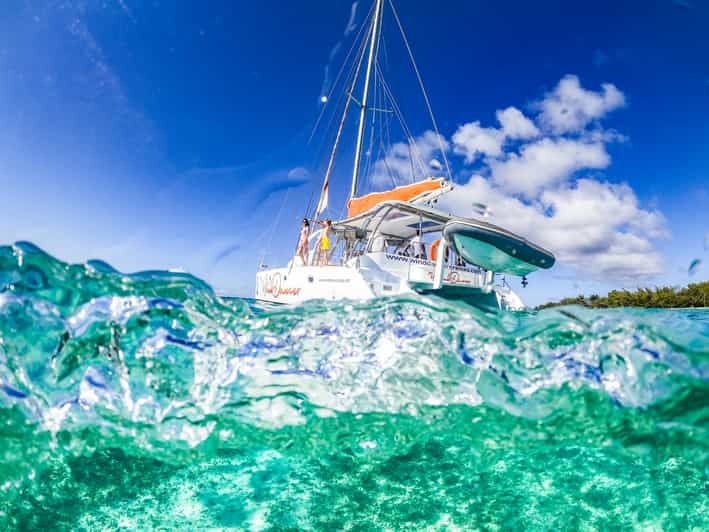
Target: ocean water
(144, 401)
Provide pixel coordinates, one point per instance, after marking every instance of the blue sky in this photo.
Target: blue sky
(175, 134)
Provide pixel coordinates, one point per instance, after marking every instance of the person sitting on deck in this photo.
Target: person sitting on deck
(323, 246)
(302, 251)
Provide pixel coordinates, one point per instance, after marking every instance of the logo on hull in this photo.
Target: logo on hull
(273, 285)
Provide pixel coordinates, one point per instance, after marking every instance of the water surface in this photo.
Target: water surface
(144, 401)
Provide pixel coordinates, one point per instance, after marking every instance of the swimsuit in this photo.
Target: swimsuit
(303, 242)
(325, 243)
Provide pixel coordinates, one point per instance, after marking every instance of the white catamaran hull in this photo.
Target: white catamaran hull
(381, 274)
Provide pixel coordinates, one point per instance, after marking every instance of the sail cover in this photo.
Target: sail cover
(412, 192)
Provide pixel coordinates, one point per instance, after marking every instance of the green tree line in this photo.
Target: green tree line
(693, 295)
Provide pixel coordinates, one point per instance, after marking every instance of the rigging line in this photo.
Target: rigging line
(390, 173)
(397, 110)
(353, 69)
(374, 149)
(343, 93)
(374, 124)
(387, 124)
(407, 132)
(329, 138)
(387, 119)
(384, 119)
(342, 68)
(368, 163)
(267, 249)
(378, 120)
(412, 146)
(384, 149)
(341, 97)
(423, 89)
(385, 54)
(377, 18)
(342, 122)
(411, 141)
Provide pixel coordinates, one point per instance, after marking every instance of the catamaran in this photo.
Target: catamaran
(372, 255)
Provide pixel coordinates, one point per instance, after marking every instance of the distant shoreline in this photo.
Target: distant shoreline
(695, 295)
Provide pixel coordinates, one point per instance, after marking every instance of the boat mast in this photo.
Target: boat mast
(376, 26)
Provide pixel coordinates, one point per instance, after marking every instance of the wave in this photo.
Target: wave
(156, 364)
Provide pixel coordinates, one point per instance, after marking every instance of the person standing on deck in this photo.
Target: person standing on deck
(417, 246)
(323, 246)
(303, 241)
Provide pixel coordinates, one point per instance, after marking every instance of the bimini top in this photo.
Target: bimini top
(415, 192)
(398, 219)
(479, 242)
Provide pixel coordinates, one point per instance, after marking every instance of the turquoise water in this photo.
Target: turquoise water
(143, 401)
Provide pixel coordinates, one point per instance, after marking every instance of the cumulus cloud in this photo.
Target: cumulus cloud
(570, 107)
(515, 125)
(473, 141)
(597, 227)
(546, 162)
(537, 175)
(533, 180)
(404, 162)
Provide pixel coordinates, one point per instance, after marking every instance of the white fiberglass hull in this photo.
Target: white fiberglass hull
(380, 274)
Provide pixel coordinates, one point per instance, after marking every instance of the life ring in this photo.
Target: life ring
(433, 251)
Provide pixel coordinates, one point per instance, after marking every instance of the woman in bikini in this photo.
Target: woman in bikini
(303, 241)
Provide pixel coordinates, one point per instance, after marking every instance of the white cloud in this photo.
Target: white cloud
(546, 162)
(594, 226)
(515, 125)
(533, 186)
(570, 107)
(471, 140)
(403, 160)
(532, 182)
(591, 202)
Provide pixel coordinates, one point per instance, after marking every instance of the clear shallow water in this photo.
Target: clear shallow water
(143, 401)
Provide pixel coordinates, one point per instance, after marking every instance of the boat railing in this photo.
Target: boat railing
(336, 255)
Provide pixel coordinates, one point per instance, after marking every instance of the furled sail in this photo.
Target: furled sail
(324, 195)
(415, 191)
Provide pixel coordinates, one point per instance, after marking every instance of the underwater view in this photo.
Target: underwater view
(145, 401)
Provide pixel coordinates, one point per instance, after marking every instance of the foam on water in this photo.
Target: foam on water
(143, 400)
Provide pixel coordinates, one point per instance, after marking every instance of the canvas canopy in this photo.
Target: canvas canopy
(416, 191)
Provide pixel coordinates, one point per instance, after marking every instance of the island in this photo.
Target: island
(691, 296)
